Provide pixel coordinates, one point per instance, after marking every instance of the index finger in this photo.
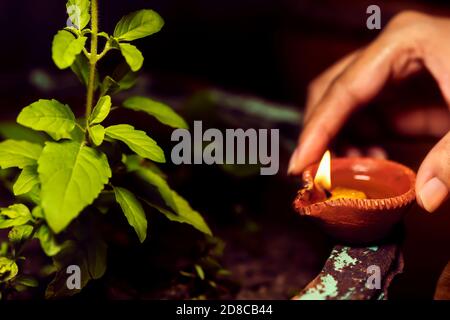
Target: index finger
(359, 83)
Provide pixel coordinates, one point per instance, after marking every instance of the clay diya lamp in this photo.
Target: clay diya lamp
(356, 200)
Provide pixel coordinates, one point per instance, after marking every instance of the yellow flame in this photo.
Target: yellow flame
(323, 175)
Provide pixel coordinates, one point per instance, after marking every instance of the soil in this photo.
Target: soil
(276, 266)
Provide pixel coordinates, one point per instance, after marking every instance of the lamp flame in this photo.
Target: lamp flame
(322, 179)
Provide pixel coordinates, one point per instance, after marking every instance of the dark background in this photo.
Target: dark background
(267, 47)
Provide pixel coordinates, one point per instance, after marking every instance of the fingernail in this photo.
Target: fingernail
(291, 166)
(432, 194)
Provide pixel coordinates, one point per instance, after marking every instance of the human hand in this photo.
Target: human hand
(411, 42)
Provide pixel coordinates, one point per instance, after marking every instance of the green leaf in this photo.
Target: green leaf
(50, 116)
(27, 179)
(112, 86)
(81, 68)
(8, 269)
(65, 48)
(20, 233)
(96, 258)
(26, 281)
(78, 11)
(104, 35)
(88, 252)
(133, 211)
(37, 212)
(48, 241)
(18, 154)
(134, 163)
(78, 134)
(109, 86)
(128, 80)
(14, 215)
(14, 131)
(101, 110)
(160, 184)
(70, 254)
(160, 111)
(34, 195)
(137, 140)
(72, 176)
(3, 248)
(97, 134)
(200, 272)
(138, 24)
(185, 214)
(132, 56)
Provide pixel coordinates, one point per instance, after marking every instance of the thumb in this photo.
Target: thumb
(433, 178)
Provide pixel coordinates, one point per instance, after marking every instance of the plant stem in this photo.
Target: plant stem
(104, 52)
(92, 59)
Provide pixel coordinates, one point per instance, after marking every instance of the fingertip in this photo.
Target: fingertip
(418, 199)
(423, 176)
(312, 144)
(292, 167)
(432, 194)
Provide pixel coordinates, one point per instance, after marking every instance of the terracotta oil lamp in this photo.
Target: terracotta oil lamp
(356, 200)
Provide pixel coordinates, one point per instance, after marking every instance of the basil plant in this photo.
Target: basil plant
(74, 172)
